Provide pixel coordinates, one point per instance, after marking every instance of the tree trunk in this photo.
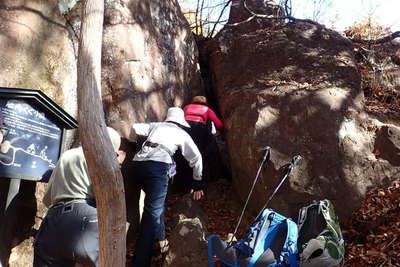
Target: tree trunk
(100, 156)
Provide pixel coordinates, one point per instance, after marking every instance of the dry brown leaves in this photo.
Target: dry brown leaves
(372, 235)
(222, 209)
(222, 213)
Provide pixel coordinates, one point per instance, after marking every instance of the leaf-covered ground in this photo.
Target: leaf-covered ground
(372, 235)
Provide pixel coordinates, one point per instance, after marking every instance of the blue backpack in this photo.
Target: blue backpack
(270, 242)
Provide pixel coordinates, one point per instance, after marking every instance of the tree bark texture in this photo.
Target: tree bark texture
(104, 170)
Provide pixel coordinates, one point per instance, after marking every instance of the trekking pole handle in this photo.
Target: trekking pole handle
(267, 155)
(296, 160)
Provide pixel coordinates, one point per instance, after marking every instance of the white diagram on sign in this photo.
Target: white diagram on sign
(30, 150)
(43, 153)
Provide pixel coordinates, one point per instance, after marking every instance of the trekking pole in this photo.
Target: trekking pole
(288, 170)
(264, 161)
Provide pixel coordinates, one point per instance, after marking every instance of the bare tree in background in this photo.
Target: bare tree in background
(380, 81)
(207, 16)
(287, 6)
(100, 156)
(319, 8)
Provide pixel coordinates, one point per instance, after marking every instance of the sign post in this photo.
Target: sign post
(32, 131)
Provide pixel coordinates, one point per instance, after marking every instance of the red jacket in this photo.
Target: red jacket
(202, 113)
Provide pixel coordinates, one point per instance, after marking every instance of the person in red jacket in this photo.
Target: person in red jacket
(198, 115)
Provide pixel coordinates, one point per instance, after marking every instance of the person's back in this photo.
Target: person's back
(152, 168)
(70, 179)
(201, 113)
(198, 115)
(171, 137)
(69, 232)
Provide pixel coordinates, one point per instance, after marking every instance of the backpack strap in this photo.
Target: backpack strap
(290, 245)
(248, 244)
(159, 146)
(266, 234)
(325, 206)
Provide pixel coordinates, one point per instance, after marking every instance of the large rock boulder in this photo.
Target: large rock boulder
(149, 60)
(36, 53)
(37, 50)
(296, 88)
(188, 245)
(149, 63)
(246, 16)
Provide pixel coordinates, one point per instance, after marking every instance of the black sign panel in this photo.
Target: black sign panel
(31, 140)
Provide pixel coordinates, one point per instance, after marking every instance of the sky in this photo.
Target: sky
(341, 14)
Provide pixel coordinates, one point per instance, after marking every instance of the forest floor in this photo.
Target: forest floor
(372, 234)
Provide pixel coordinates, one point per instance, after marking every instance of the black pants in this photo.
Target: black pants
(68, 235)
(200, 135)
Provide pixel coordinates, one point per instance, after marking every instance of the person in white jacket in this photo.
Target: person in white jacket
(152, 167)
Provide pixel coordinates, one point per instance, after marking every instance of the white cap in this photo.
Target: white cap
(177, 115)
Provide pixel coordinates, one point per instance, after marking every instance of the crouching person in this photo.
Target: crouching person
(151, 166)
(69, 232)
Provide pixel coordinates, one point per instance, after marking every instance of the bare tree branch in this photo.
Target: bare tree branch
(201, 17)
(201, 23)
(196, 18)
(265, 16)
(378, 41)
(217, 5)
(288, 7)
(219, 17)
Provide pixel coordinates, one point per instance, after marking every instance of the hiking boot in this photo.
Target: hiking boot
(161, 246)
(159, 249)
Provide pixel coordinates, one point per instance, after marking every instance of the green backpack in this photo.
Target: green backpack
(320, 242)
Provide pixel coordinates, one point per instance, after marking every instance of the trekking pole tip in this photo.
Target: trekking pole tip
(296, 159)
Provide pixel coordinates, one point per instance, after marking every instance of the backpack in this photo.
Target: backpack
(271, 241)
(320, 242)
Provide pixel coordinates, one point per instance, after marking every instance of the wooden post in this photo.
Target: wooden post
(104, 170)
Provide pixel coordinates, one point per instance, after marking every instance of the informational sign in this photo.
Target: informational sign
(31, 140)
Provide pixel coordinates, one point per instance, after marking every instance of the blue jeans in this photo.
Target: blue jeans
(152, 178)
(68, 234)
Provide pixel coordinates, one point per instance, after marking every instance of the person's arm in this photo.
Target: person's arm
(126, 130)
(143, 129)
(132, 132)
(213, 117)
(192, 154)
(47, 196)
